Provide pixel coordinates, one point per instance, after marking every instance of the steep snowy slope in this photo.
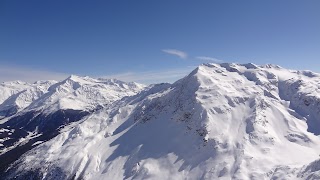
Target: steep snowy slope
(77, 93)
(17, 95)
(84, 93)
(225, 121)
(33, 113)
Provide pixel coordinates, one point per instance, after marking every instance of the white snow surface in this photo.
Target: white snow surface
(84, 93)
(75, 92)
(222, 121)
(21, 94)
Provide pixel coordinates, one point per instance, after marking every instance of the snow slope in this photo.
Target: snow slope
(75, 92)
(84, 93)
(226, 121)
(17, 95)
(34, 113)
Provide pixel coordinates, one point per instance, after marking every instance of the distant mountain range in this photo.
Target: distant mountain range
(222, 121)
(34, 113)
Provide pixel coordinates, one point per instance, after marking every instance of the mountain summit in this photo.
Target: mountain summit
(228, 121)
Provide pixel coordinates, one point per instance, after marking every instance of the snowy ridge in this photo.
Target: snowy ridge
(228, 121)
(17, 95)
(75, 92)
(84, 93)
(34, 113)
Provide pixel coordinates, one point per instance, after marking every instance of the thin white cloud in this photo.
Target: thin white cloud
(13, 73)
(152, 77)
(206, 58)
(175, 52)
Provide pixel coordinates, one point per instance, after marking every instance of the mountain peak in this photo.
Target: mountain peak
(226, 120)
(74, 77)
(80, 79)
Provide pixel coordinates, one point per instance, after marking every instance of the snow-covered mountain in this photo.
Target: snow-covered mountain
(77, 93)
(17, 95)
(33, 113)
(227, 121)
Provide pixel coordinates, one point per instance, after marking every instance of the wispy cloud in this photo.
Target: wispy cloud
(175, 52)
(12, 73)
(206, 58)
(151, 77)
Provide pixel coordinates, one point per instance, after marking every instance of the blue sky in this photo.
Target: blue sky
(153, 41)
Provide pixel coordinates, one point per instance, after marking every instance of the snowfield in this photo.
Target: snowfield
(222, 121)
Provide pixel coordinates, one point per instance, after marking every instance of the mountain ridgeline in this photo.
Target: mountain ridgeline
(34, 113)
(227, 121)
